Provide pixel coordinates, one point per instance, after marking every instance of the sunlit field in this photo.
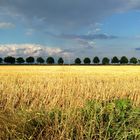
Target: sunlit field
(69, 102)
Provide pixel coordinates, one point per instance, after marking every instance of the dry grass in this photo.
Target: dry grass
(66, 86)
(36, 88)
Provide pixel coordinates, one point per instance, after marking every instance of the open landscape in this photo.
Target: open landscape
(69, 102)
(69, 69)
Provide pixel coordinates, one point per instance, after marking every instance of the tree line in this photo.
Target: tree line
(78, 61)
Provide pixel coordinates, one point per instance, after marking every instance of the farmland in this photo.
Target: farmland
(69, 102)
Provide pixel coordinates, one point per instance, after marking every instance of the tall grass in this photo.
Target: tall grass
(69, 102)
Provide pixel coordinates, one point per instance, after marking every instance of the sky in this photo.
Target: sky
(70, 28)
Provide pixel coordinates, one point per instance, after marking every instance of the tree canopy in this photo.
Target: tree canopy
(60, 60)
(96, 60)
(10, 60)
(77, 61)
(30, 59)
(105, 60)
(133, 60)
(87, 60)
(115, 60)
(1, 60)
(50, 60)
(124, 60)
(20, 60)
(40, 60)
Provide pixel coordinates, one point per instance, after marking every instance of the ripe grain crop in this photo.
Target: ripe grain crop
(45, 102)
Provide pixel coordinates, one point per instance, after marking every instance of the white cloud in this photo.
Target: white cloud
(25, 50)
(6, 25)
(86, 44)
(30, 32)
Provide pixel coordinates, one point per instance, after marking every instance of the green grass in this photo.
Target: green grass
(110, 120)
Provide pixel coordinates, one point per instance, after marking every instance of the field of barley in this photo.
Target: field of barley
(69, 102)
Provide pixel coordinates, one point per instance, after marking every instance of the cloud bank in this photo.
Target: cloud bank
(31, 50)
(87, 37)
(65, 15)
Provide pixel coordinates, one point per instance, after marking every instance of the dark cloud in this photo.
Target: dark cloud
(65, 15)
(137, 49)
(88, 37)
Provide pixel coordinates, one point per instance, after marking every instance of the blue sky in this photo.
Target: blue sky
(73, 28)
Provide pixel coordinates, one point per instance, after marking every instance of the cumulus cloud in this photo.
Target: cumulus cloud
(6, 25)
(66, 15)
(25, 50)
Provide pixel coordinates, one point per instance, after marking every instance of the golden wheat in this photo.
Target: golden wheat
(66, 86)
(69, 102)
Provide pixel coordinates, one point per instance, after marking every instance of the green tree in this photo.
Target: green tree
(124, 60)
(30, 60)
(96, 60)
(115, 60)
(20, 60)
(133, 60)
(77, 61)
(10, 60)
(40, 60)
(87, 60)
(50, 60)
(1, 60)
(60, 60)
(105, 61)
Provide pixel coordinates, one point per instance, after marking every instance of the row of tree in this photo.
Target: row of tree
(106, 60)
(50, 60)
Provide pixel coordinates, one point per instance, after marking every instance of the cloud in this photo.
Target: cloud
(137, 49)
(30, 32)
(6, 25)
(25, 50)
(86, 44)
(88, 37)
(137, 37)
(65, 15)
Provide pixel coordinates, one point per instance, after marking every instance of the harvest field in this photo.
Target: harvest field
(69, 102)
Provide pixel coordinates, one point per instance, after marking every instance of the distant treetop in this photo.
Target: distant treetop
(10, 60)
(87, 60)
(50, 60)
(30, 60)
(77, 61)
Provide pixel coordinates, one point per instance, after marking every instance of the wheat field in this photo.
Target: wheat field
(67, 86)
(35, 88)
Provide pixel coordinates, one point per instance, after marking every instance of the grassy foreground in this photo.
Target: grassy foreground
(76, 103)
